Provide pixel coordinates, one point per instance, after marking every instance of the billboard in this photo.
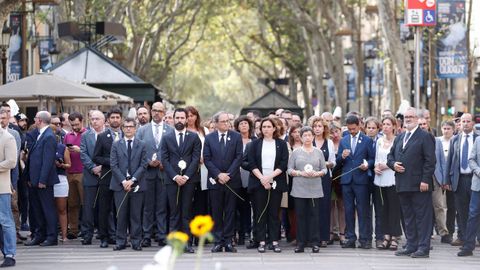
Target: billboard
(14, 67)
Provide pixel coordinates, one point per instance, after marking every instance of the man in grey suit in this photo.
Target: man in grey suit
(91, 172)
(459, 174)
(128, 160)
(155, 210)
(473, 222)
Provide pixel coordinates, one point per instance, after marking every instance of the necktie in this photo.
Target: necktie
(354, 144)
(222, 143)
(157, 134)
(465, 153)
(407, 136)
(117, 137)
(180, 141)
(129, 153)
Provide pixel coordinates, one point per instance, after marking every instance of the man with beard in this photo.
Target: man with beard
(412, 157)
(101, 156)
(180, 155)
(143, 116)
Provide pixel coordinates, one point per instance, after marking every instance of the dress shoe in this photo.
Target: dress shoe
(48, 243)
(404, 252)
(315, 249)
(349, 244)
(137, 247)
(420, 254)
(104, 244)
(162, 243)
(118, 247)
(71, 236)
(217, 248)
(230, 248)
(299, 249)
(34, 242)
(146, 242)
(189, 249)
(24, 227)
(366, 245)
(19, 236)
(87, 242)
(464, 253)
(9, 261)
(457, 243)
(112, 241)
(252, 245)
(446, 239)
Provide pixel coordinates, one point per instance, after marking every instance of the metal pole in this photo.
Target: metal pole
(4, 66)
(418, 52)
(370, 91)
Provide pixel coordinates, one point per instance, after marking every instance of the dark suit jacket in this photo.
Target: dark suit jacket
(453, 160)
(171, 154)
(418, 158)
(255, 162)
(229, 162)
(363, 150)
(101, 154)
(41, 160)
(119, 163)
(87, 146)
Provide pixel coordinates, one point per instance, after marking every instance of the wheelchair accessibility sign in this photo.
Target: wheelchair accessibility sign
(429, 17)
(420, 12)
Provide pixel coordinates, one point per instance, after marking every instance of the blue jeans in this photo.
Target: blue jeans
(473, 221)
(8, 225)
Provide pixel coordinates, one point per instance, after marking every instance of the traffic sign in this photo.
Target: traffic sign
(420, 12)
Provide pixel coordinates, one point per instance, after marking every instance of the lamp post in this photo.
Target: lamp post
(411, 50)
(4, 42)
(369, 61)
(347, 67)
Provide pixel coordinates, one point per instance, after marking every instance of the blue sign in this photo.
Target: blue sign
(429, 16)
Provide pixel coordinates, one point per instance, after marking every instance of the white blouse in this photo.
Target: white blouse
(268, 157)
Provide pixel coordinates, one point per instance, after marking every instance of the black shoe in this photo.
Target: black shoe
(276, 248)
(137, 247)
(48, 243)
(87, 242)
(261, 248)
(9, 261)
(103, 244)
(323, 244)
(464, 253)
(349, 244)
(366, 245)
(146, 242)
(315, 249)
(118, 247)
(420, 254)
(71, 236)
(189, 249)
(252, 245)
(162, 243)
(404, 252)
(446, 239)
(111, 241)
(34, 242)
(19, 236)
(230, 248)
(217, 248)
(299, 249)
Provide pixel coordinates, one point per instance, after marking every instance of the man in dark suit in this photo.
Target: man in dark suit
(128, 161)
(91, 172)
(354, 148)
(42, 176)
(222, 154)
(180, 155)
(155, 211)
(412, 157)
(459, 175)
(101, 156)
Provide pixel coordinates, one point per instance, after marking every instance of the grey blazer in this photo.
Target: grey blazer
(474, 162)
(453, 161)
(119, 163)
(87, 145)
(440, 166)
(145, 134)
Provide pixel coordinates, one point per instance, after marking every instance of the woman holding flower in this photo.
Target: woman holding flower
(307, 167)
(267, 162)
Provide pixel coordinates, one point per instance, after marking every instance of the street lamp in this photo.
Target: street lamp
(347, 67)
(411, 50)
(369, 62)
(4, 42)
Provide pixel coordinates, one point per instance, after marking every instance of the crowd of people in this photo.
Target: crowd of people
(130, 181)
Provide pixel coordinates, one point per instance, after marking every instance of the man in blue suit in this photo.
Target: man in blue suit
(354, 148)
(180, 156)
(155, 211)
(42, 176)
(222, 154)
(91, 172)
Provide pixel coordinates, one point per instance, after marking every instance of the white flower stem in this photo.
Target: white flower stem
(201, 244)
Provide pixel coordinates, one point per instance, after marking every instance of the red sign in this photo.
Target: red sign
(420, 12)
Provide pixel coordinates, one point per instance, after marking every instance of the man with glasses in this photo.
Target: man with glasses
(155, 211)
(60, 132)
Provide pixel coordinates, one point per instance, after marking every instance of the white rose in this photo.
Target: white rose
(274, 184)
(308, 168)
(154, 156)
(182, 164)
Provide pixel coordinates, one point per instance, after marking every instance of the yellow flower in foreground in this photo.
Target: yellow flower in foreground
(201, 225)
(177, 236)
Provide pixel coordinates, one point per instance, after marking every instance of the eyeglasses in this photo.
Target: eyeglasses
(57, 124)
(224, 121)
(127, 127)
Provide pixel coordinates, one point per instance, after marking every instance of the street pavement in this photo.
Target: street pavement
(73, 256)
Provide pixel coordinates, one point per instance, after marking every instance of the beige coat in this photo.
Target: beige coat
(8, 160)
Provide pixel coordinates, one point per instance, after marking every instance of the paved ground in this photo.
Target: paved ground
(73, 256)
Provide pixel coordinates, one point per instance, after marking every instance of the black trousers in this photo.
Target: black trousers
(417, 210)
(243, 214)
(269, 222)
(223, 205)
(46, 217)
(323, 208)
(451, 212)
(181, 214)
(88, 211)
(155, 209)
(129, 215)
(389, 210)
(308, 220)
(104, 201)
(462, 203)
